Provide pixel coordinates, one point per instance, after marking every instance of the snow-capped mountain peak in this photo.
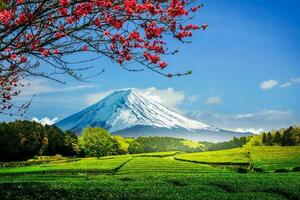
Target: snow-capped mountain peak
(128, 108)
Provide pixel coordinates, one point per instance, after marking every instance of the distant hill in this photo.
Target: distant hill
(130, 113)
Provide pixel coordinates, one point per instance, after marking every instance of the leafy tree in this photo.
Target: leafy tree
(264, 139)
(135, 147)
(55, 140)
(254, 140)
(296, 135)
(31, 134)
(48, 32)
(283, 137)
(71, 144)
(269, 141)
(43, 145)
(234, 143)
(120, 144)
(157, 144)
(277, 138)
(10, 143)
(96, 142)
(287, 137)
(21, 140)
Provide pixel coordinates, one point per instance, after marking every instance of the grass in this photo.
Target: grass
(156, 154)
(141, 186)
(106, 164)
(91, 165)
(153, 166)
(272, 158)
(262, 157)
(231, 156)
(152, 176)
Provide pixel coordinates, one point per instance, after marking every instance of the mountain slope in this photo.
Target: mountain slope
(129, 112)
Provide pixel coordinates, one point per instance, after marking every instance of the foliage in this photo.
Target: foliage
(230, 156)
(266, 158)
(289, 137)
(281, 170)
(282, 137)
(48, 32)
(154, 166)
(156, 144)
(133, 177)
(234, 143)
(140, 186)
(120, 144)
(21, 140)
(71, 144)
(277, 138)
(270, 158)
(71, 165)
(264, 139)
(254, 140)
(97, 142)
(56, 140)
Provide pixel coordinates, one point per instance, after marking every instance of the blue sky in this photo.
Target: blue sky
(246, 71)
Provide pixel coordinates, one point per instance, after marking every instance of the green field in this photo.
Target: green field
(231, 156)
(265, 158)
(206, 175)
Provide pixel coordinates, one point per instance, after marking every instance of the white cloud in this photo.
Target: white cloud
(214, 100)
(274, 114)
(41, 86)
(264, 119)
(193, 98)
(95, 97)
(264, 115)
(251, 130)
(45, 120)
(291, 82)
(244, 115)
(167, 97)
(269, 84)
(284, 85)
(295, 80)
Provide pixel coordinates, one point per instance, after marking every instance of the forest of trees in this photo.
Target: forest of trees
(234, 143)
(282, 137)
(21, 140)
(285, 137)
(99, 142)
(159, 144)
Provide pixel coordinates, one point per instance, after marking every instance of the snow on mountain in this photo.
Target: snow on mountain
(127, 108)
(131, 113)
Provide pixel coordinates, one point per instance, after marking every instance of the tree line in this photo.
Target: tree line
(285, 137)
(281, 137)
(21, 140)
(160, 144)
(234, 143)
(99, 142)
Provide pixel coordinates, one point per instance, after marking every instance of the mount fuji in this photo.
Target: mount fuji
(131, 113)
